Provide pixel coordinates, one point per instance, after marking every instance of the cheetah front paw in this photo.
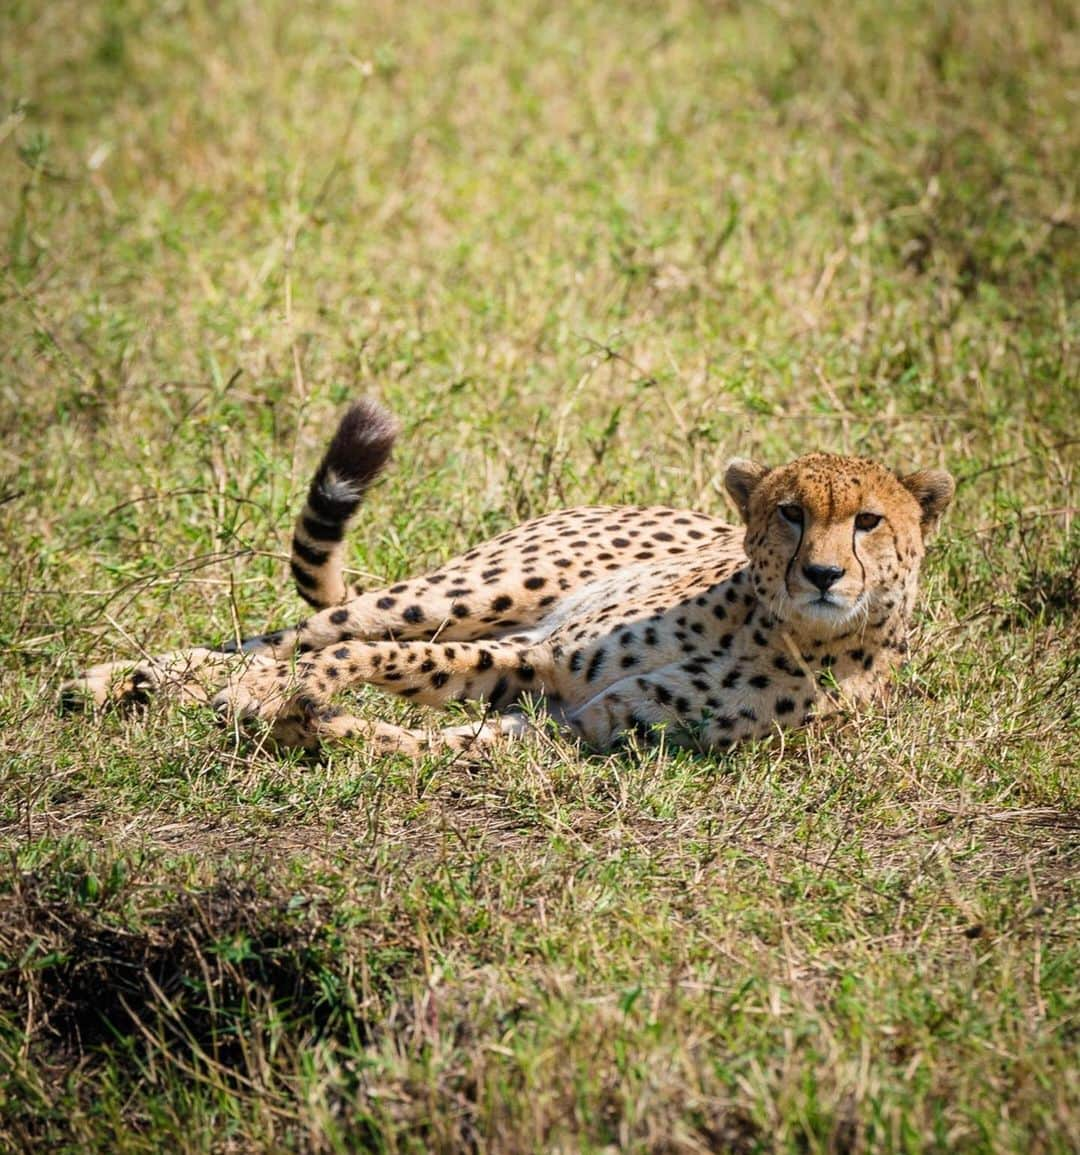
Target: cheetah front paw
(189, 674)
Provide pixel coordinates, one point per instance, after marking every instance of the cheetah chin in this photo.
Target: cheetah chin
(823, 614)
(615, 621)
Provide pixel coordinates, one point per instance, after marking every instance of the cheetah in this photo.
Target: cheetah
(614, 621)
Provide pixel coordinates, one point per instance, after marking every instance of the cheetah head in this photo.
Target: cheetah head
(836, 541)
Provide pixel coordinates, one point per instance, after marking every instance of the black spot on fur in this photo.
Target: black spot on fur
(640, 727)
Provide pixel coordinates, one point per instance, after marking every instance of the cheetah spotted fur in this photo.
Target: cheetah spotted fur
(613, 620)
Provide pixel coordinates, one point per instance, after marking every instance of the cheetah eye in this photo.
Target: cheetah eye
(792, 514)
(867, 521)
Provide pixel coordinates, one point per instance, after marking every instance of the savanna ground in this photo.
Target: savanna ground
(587, 252)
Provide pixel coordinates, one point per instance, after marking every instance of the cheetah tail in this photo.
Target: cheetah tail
(356, 456)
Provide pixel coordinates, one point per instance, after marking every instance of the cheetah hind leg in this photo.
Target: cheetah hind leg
(194, 675)
(427, 673)
(294, 699)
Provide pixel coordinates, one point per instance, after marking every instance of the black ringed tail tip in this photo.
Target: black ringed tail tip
(356, 456)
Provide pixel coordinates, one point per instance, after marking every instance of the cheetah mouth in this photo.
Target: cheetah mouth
(826, 608)
(821, 601)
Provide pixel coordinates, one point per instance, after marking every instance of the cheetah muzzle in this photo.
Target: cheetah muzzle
(614, 620)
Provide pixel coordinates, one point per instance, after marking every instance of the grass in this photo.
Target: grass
(587, 252)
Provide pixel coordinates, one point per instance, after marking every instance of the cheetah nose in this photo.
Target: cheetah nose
(823, 576)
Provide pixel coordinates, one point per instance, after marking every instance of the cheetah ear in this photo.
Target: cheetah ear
(741, 479)
(933, 489)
